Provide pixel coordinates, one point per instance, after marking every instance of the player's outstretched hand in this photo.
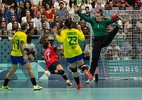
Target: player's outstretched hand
(55, 31)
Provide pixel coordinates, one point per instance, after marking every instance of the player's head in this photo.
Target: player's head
(47, 44)
(24, 27)
(68, 23)
(100, 12)
(99, 15)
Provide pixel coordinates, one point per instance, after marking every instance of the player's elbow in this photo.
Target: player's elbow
(82, 39)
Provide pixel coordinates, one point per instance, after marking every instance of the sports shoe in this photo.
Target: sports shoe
(120, 23)
(6, 87)
(68, 83)
(47, 73)
(88, 81)
(89, 75)
(37, 87)
(79, 86)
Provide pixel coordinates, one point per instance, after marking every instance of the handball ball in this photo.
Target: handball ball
(114, 17)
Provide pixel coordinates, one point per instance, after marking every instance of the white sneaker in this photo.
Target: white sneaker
(37, 87)
(47, 73)
(68, 83)
(88, 81)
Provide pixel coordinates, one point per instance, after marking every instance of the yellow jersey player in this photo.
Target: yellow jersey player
(72, 50)
(18, 43)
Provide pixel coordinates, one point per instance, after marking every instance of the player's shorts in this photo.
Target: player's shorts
(22, 0)
(74, 59)
(17, 0)
(15, 60)
(53, 66)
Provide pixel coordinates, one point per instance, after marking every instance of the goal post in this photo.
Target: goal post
(127, 63)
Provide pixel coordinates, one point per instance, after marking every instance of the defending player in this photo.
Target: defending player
(18, 43)
(72, 50)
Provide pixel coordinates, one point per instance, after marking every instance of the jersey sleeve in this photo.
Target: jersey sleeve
(80, 35)
(23, 38)
(60, 38)
(13, 36)
(110, 21)
(87, 19)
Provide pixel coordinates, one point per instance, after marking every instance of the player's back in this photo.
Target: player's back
(50, 56)
(71, 45)
(17, 38)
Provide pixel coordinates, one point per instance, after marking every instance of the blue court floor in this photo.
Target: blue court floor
(57, 90)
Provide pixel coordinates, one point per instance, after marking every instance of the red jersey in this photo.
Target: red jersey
(50, 56)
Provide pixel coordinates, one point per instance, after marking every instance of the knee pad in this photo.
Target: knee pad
(74, 69)
(83, 67)
(61, 72)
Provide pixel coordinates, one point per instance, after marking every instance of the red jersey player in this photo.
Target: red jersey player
(52, 61)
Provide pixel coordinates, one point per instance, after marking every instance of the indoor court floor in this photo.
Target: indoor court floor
(57, 90)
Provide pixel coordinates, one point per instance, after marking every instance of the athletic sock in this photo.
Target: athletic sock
(65, 77)
(77, 80)
(6, 82)
(52, 72)
(33, 81)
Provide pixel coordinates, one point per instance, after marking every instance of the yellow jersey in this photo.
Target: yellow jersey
(17, 38)
(69, 38)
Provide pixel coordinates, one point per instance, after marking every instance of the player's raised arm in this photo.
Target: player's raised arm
(80, 35)
(76, 8)
(60, 38)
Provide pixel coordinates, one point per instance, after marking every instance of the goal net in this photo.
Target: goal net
(122, 59)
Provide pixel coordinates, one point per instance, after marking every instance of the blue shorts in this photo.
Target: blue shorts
(53, 66)
(17, 0)
(15, 60)
(22, 0)
(74, 59)
(25, 0)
